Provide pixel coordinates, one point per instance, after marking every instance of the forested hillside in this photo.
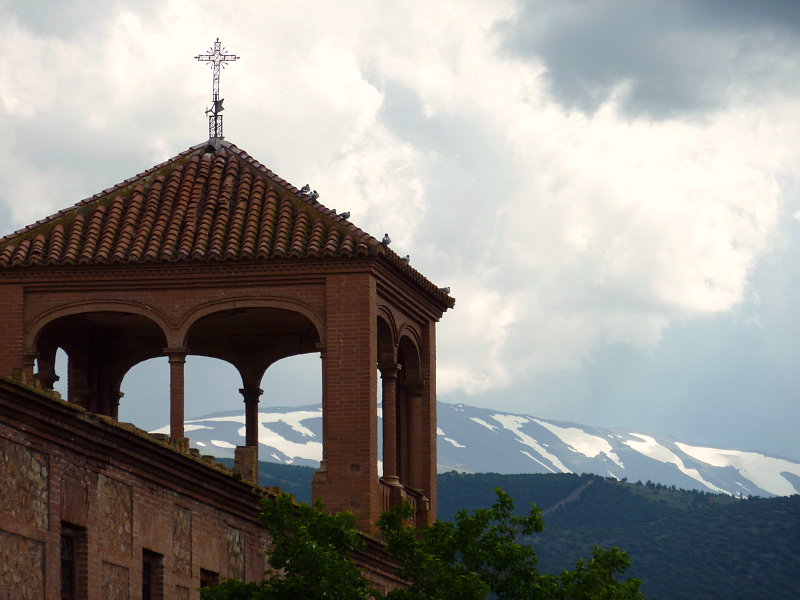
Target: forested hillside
(685, 545)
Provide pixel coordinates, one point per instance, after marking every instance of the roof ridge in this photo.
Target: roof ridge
(99, 195)
(205, 208)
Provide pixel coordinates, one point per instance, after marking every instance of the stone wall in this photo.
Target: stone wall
(115, 582)
(121, 495)
(236, 553)
(21, 568)
(116, 516)
(24, 491)
(182, 540)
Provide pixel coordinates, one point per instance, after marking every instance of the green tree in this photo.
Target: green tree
(310, 558)
(467, 559)
(480, 553)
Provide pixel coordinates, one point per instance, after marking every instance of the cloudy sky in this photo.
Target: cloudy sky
(610, 188)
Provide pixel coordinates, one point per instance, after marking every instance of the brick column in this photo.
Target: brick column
(251, 395)
(415, 390)
(350, 479)
(177, 360)
(428, 436)
(28, 360)
(389, 401)
(113, 404)
(323, 355)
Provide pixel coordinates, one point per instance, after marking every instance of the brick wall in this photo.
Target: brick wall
(120, 493)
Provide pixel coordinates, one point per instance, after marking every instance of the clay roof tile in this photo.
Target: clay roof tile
(21, 253)
(92, 235)
(74, 240)
(56, 244)
(148, 220)
(36, 252)
(210, 202)
(6, 254)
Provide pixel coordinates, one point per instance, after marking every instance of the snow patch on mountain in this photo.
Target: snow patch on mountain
(764, 471)
(528, 454)
(514, 424)
(650, 447)
(447, 439)
(223, 444)
(580, 441)
(484, 423)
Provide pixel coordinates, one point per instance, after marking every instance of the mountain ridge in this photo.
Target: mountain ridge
(480, 440)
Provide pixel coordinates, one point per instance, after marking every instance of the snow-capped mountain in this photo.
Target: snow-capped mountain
(485, 440)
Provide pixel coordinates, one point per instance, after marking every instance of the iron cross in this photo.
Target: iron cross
(217, 58)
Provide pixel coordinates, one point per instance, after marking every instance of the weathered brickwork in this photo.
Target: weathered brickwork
(236, 553)
(209, 254)
(116, 515)
(182, 540)
(115, 583)
(139, 494)
(21, 568)
(24, 491)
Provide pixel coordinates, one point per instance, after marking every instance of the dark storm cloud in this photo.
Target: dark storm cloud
(676, 56)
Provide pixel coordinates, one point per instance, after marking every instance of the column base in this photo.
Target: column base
(245, 463)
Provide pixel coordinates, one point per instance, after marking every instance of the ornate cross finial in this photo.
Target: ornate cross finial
(217, 58)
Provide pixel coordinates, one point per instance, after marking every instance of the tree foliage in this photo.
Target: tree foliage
(467, 559)
(310, 558)
(480, 553)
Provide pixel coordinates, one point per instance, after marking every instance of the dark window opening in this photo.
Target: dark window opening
(152, 576)
(67, 567)
(73, 562)
(208, 578)
(147, 581)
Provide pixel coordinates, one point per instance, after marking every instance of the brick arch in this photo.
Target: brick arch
(387, 337)
(209, 308)
(103, 340)
(75, 308)
(409, 341)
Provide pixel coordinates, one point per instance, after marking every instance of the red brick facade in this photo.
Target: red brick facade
(122, 497)
(212, 254)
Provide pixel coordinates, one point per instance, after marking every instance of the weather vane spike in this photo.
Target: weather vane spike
(217, 58)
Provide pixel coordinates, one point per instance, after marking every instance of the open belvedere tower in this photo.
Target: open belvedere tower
(211, 254)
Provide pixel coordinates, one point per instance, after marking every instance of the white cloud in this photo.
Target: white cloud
(556, 230)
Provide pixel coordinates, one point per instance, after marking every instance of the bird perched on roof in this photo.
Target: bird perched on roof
(305, 189)
(446, 290)
(407, 258)
(313, 196)
(386, 239)
(345, 215)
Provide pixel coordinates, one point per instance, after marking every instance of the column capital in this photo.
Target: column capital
(29, 356)
(414, 386)
(389, 370)
(251, 394)
(176, 354)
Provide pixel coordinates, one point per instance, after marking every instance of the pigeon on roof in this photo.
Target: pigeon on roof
(199, 206)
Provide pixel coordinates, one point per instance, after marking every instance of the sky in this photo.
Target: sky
(609, 188)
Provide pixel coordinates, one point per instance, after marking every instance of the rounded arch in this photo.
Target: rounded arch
(409, 356)
(387, 338)
(251, 333)
(217, 306)
(34, 331)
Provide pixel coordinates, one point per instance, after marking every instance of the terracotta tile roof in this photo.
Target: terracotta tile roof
(201, 205)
